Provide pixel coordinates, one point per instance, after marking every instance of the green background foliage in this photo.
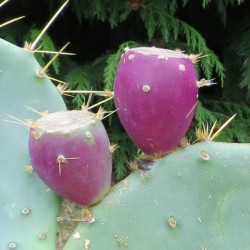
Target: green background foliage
(100, 29)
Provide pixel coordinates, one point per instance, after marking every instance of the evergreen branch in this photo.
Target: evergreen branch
(148, 17)
(117, 13)
(172, 7)
(184, 3)
(205, 3)
(78, 80)
(165, 29)
(243, 51)
(101, 10)
(86, 77)
(223, 11)
(210, 110)
(126, 152)
(193, 37)
(112, 63)
(240, 2)
(203, 115)
(110, 70)
(208, 63)
(156, 18)
(175, 27)
(222, 7)
(99, 6)
(212, 62)
(78, 8)
(245, 82)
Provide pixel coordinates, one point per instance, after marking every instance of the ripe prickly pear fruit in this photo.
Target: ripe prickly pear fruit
(155, 92)
(70, 152)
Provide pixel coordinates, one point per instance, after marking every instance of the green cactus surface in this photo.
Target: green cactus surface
(28, 209)
(194, 198)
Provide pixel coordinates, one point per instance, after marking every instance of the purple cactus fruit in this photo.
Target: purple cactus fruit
(70, 152)
(155, 92)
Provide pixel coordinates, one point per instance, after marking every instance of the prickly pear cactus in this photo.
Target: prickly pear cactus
(194, 198)
(28, 209)
(70, 151)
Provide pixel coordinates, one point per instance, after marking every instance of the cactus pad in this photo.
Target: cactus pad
(194, 198)
(28, 209)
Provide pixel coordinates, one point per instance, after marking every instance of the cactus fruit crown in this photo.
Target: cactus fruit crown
(63, 122)
(162, 53)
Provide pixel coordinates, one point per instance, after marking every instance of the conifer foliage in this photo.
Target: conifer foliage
(169, 24)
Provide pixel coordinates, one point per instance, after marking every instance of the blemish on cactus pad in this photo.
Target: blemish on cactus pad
(42, 236)
(12, 245)
(25, 211)
(76, 235)
(172, 222)
(86, 244)
(204, 155)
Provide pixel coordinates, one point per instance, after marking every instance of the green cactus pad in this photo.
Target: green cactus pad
(194, 198)
(28, 209)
